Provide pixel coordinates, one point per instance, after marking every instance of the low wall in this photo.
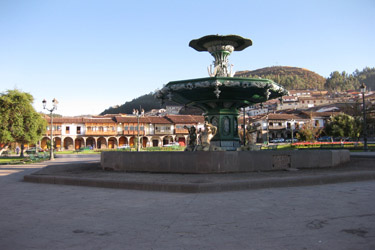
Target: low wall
(221, 161)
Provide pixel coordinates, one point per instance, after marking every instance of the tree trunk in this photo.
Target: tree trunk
(22, 149)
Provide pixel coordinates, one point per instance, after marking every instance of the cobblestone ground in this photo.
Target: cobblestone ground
(39, 216)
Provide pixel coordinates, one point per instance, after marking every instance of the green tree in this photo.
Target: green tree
(308, 132)
(341, 81)
(343, 125)
(367, 76)
(19, 122)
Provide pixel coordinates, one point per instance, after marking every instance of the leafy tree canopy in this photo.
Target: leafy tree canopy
(19, 122)
(308, 132)
(367, 76)
(339, 82)
(343, 125)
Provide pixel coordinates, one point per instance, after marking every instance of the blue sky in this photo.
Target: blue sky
(91, 55)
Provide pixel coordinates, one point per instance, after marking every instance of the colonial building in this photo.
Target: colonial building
(113, 131)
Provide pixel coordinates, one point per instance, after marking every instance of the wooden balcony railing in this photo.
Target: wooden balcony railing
(101, 133)
(48, 133)
(181, 131)
(133, 132)
(276, 127)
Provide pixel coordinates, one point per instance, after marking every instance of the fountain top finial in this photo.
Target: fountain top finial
(204, 43)
(220, 47)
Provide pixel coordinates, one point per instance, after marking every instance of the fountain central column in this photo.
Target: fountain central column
(226, 121)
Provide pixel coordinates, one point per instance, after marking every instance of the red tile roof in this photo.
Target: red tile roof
(185, 119)
(66, 119)
(132, 119)
(159, 120)
(284, 117)
(99, 120)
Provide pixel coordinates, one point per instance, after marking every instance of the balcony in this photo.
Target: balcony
(276, 127)
(181, 131)
(55, 133)
(100, 133)
(133, 132)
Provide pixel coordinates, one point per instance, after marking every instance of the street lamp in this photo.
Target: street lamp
(138, 114)
(54, 102)
(363, 90)
(291, 127)
(244, 126)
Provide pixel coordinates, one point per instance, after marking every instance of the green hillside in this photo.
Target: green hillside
(146, 102)
(289, 77)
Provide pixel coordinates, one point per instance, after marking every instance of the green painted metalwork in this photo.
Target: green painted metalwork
(221, 95)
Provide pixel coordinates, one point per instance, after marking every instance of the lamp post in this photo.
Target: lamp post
(291, 127)
(244, 126)
(363, 90)
(268, 129)
(138, 114)
(55, 102)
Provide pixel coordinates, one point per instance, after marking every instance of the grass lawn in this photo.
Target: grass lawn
(130, 149)
(74, 152)
(18, 160)
(11, 160)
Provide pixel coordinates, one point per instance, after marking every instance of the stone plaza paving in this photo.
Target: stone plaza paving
(43, 216)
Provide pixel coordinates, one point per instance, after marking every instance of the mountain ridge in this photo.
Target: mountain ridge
(287, 76)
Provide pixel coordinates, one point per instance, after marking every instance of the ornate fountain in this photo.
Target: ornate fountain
(221, 95)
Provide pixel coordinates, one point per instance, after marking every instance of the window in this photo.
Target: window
(131, 128)
(67, 130)
(78, 130)
(126, 127)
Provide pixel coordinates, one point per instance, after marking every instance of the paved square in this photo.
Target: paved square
(42, 216)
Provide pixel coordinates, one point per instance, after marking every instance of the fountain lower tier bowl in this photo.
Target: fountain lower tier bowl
(221, 162)
(227, 92)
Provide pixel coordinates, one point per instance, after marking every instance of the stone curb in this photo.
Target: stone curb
(206, 187)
